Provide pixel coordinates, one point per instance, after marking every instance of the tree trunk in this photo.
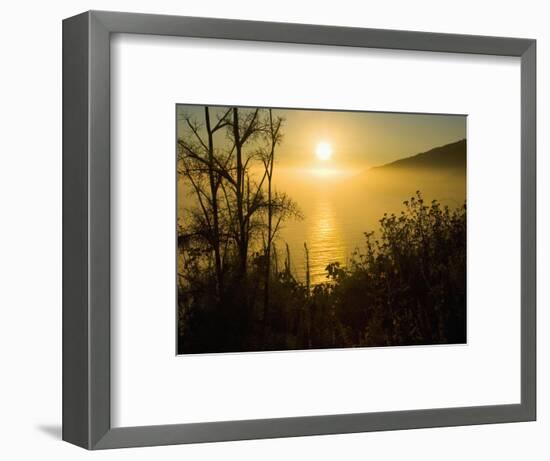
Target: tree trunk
(215, 213)
(269, 172)
(242, 240)
(307, 269)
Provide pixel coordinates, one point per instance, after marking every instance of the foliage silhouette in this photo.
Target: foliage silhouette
(406, 287)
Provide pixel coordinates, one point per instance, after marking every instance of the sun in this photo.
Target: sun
(323, 151)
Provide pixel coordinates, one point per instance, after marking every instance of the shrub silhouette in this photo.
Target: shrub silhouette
(407, 286)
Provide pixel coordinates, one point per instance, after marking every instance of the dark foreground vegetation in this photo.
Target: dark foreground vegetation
(407, 286)
(236, 289)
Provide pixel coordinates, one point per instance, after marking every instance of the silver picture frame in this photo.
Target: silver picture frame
(86, 229)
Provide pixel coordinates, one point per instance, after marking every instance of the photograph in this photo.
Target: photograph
(312, 229)
(301, 230)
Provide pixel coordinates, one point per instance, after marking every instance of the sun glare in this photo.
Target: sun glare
(323, 151)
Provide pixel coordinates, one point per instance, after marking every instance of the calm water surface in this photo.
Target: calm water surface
(339, 210)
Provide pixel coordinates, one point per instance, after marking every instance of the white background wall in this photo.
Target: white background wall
(30, 229)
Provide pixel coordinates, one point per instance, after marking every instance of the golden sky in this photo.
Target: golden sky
(352, 140)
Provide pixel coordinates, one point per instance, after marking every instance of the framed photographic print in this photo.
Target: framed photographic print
(276, 230)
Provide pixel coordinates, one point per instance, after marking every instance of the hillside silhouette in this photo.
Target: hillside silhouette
(449, 157)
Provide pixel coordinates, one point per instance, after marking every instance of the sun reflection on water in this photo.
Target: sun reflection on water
(324, 240)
